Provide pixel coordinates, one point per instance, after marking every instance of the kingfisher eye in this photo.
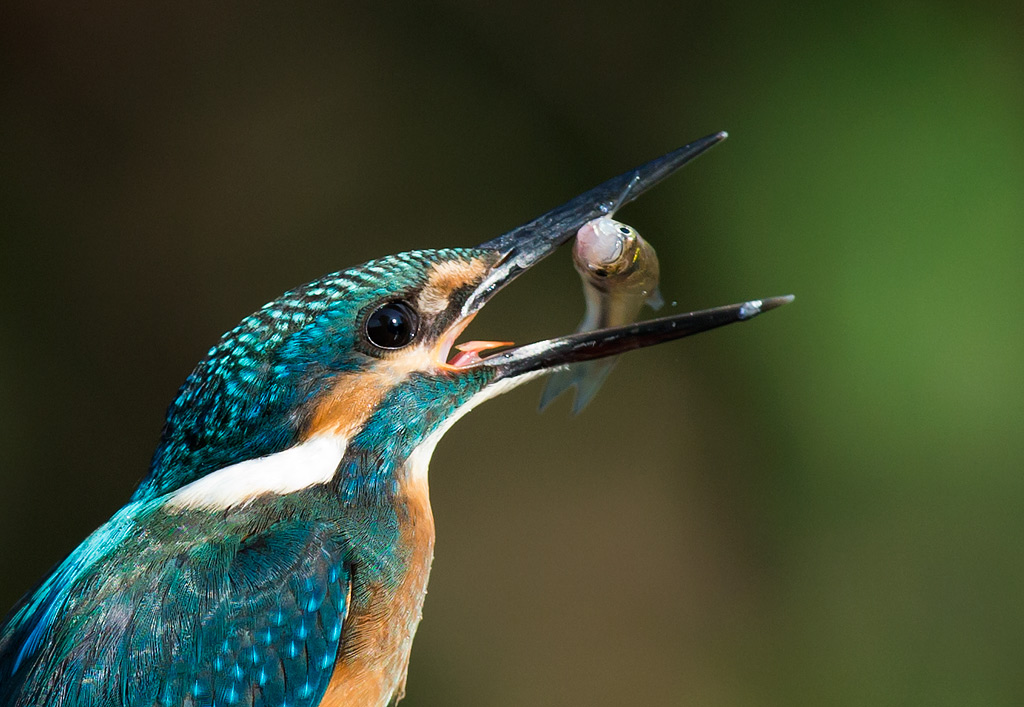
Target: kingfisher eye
(392, 325)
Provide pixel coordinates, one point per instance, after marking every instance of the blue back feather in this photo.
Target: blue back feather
(252, 617)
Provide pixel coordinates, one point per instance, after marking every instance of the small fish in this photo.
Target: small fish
(619, 271)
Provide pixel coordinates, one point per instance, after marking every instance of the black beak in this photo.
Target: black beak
(523, 247)
(589, 345)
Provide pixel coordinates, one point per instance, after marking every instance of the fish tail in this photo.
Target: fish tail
(557, 383)
(587, 378)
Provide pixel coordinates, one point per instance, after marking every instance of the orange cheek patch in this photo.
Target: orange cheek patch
(353, 397)
(347, 406)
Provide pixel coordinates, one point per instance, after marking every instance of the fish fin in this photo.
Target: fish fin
(557, 383)
(655, 301)
(588, 380)
(587, 377)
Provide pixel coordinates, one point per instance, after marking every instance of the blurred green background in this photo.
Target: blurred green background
(820, 507)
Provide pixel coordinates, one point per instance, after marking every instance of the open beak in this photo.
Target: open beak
(523, 247)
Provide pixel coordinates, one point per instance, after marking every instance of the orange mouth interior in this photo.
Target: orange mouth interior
(468, 352)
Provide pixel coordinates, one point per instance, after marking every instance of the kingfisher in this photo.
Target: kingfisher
(277, 552)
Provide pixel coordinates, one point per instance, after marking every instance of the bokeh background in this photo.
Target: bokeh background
(820, 507)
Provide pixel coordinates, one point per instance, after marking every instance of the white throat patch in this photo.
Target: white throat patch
(419, 460)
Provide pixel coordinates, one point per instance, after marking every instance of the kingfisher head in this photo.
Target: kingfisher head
(348, 378)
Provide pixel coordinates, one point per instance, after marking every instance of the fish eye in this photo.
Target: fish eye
(625, 230)
(392, 325)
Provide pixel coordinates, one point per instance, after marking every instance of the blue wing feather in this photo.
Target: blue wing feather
(35, 614)
(250, 617)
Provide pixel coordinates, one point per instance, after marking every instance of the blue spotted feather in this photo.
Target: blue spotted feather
(252, 617)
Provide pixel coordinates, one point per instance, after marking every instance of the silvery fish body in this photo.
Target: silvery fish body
(619, 272)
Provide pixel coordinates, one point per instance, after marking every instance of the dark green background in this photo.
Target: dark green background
(820, 507)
